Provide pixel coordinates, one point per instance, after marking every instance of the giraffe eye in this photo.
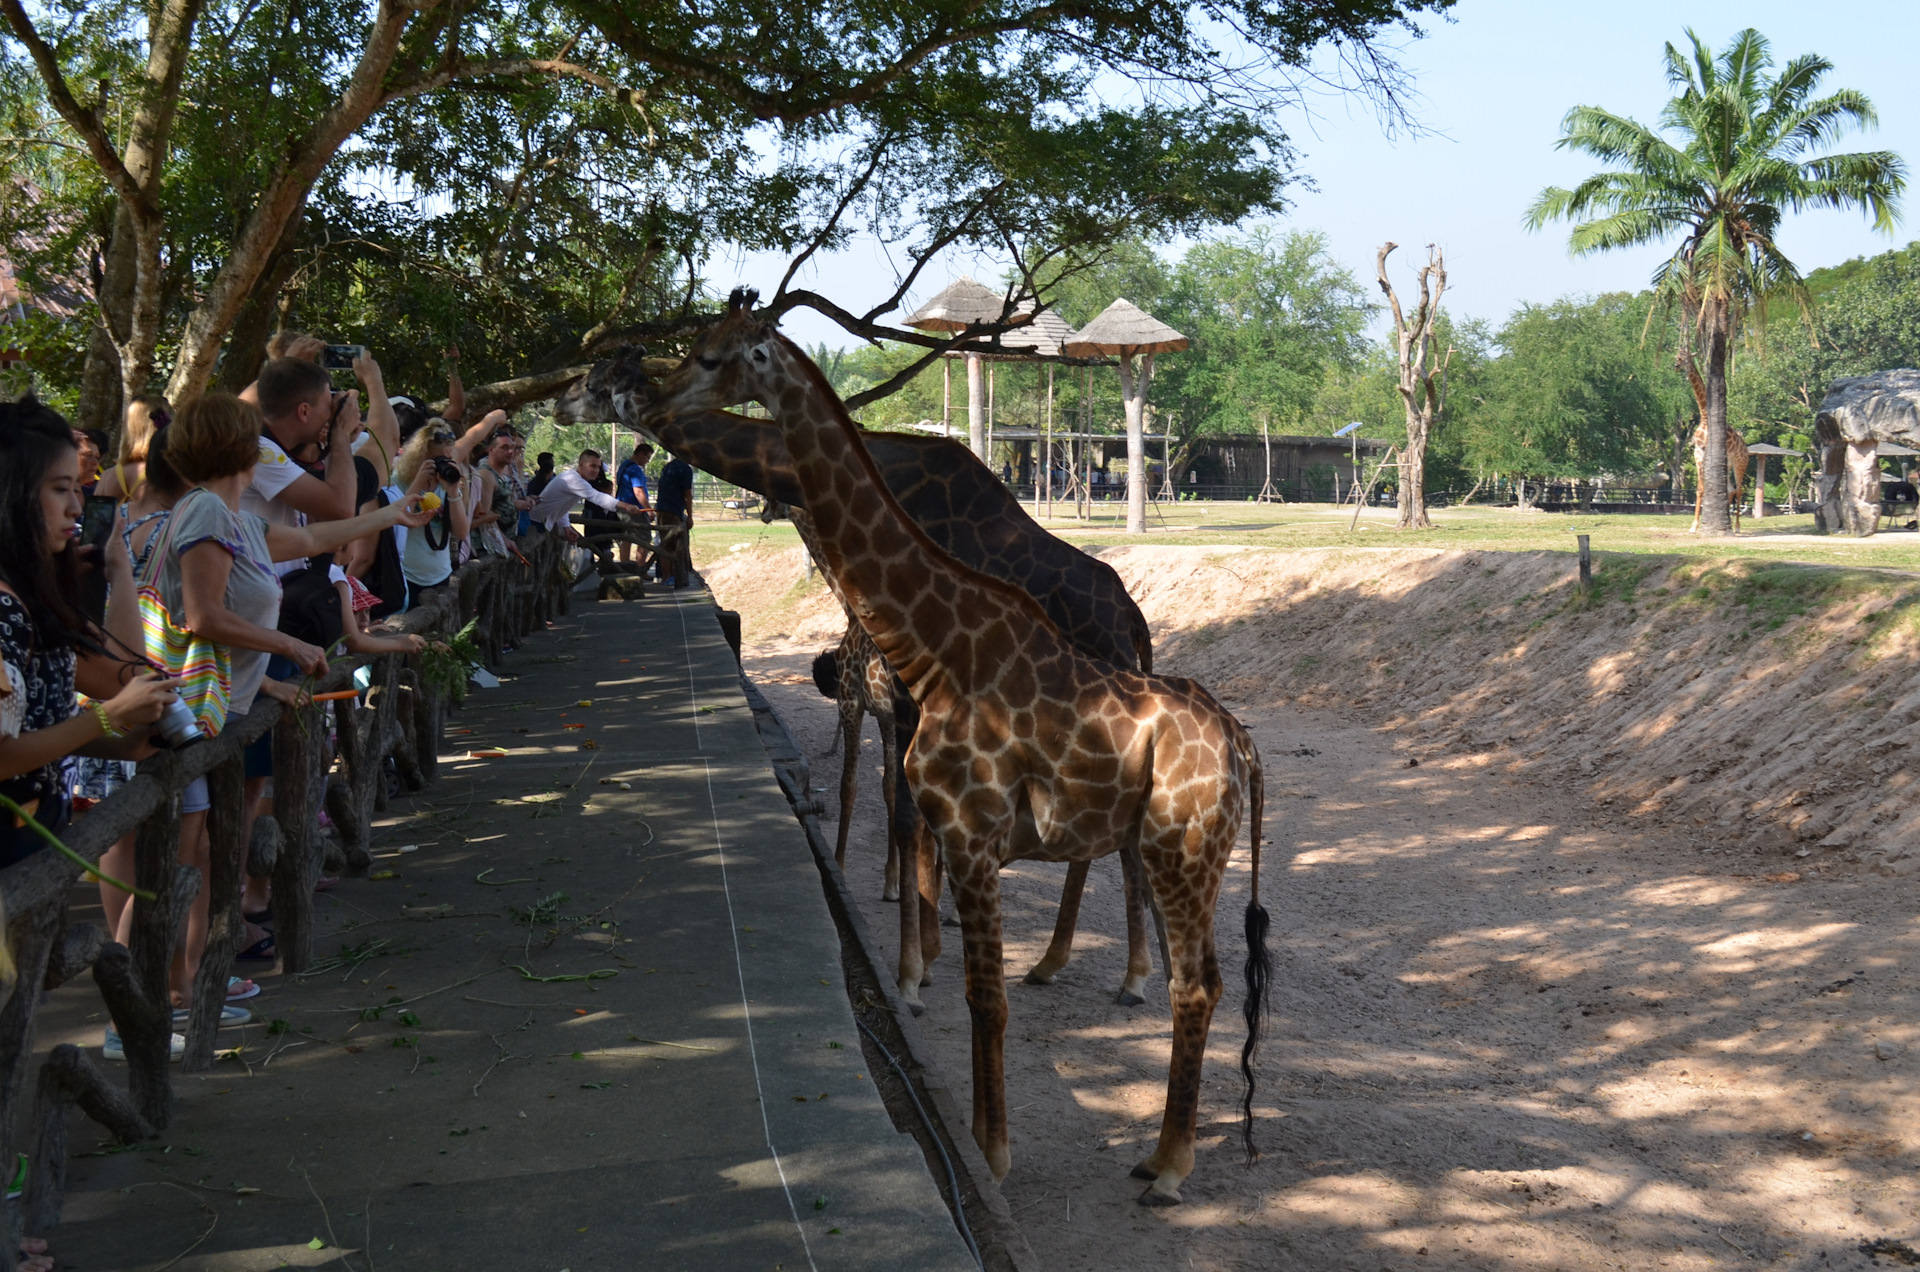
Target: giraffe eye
(711, 364)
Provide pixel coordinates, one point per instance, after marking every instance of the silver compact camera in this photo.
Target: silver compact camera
(177, 726)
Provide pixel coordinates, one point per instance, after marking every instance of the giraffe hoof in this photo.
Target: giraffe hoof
(889, 894)
(926, 979)
(949, 920)
(1154, 1197)
(1037, 977)
(1127, 998)
(1143, 1171)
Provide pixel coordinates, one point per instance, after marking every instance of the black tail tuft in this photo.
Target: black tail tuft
(1259, 986)
(826, 673)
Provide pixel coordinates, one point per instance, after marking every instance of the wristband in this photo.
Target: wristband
(107, 727)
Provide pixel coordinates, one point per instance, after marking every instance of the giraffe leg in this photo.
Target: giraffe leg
(849, 775)
(1193, 990)
(913, 961)
(918, 846)
(889, 753)
(978, 882)
(1139, 898)
(926, 853)
(1060, 950)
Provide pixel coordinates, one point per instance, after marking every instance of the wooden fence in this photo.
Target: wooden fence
(400, 716)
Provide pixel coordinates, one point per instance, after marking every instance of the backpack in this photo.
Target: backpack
(385, 578)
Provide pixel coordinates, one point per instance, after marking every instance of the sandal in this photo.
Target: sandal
(261, 951)
(239, 987)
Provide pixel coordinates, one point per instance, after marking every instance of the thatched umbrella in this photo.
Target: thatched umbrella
(963, 304)
(1126, 332)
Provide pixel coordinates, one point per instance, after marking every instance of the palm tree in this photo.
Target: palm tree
(1734, 151)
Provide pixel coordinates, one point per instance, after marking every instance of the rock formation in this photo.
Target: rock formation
(1858, 413)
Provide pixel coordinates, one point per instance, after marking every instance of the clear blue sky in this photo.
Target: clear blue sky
(1492, 87)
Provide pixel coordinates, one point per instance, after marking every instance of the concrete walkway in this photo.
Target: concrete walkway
(596, 1019)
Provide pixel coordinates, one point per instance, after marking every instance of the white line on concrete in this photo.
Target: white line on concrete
(753, 1054)
(686, 643)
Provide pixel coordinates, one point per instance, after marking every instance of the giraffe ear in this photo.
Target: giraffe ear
(742, 298)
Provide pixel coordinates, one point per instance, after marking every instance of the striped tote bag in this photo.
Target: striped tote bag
(202, 669)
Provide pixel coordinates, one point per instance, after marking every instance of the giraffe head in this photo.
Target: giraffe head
(737, 361)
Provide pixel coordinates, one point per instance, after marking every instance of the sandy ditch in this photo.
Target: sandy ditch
(1556, 989)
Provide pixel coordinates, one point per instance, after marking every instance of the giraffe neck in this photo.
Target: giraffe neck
(922, 608)
(745, 452)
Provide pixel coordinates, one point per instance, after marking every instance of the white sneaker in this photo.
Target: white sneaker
(113, 1050)
(230, 1017)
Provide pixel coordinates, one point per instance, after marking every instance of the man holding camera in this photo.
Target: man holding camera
(309, 425)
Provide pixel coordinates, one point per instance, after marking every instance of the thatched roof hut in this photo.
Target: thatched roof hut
(1124, 329)
(962, 304)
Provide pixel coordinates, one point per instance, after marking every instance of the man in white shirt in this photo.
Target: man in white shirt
(303, 414)
(570, 488)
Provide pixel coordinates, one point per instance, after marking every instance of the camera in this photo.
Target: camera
(340, 357)
(448, 471)
(177, 726)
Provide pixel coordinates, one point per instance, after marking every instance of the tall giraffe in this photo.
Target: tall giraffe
(1027, 748)
(969, 513)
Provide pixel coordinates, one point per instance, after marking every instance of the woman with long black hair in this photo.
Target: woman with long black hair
(47, 646)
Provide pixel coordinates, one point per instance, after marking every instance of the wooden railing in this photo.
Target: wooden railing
(401, 716)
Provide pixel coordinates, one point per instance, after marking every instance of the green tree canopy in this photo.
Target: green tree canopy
(536, 180)
(1574, 392)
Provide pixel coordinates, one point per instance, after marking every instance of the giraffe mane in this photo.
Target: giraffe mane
(1007, 591)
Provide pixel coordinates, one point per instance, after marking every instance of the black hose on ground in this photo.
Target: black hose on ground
(953, 1180)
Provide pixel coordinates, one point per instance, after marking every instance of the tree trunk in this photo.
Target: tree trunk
(1422, 381)
(1412, 492)
(977, 408)
(1134, 387)
(1715, 515)
(257, 320)
(282, 199)
(100, 405)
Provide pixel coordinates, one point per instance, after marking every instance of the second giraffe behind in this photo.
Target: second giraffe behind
(1027, 749)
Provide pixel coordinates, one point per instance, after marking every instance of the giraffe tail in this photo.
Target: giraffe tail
(1259, 971)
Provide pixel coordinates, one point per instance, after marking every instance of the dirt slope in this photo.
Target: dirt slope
(1763, 707)
(1769, 707)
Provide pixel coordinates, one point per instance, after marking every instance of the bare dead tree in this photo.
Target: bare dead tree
(1423, 378)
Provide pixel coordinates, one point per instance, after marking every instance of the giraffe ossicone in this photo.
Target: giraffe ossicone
(1026, 748)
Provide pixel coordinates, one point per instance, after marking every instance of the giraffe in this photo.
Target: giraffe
(1736, 474)
(1026, 748)
(968, 512)
(857, 678)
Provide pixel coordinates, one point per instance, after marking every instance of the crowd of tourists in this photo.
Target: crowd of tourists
(153, 586)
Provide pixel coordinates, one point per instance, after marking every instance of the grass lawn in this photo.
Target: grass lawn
(1788, 538)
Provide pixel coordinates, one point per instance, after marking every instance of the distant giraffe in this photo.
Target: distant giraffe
(1736, 474)
(859, 681)
(968, 512)
(1027, 749)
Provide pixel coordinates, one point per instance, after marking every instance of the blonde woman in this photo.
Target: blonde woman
(122, 478)
(426, 467)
